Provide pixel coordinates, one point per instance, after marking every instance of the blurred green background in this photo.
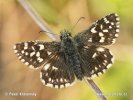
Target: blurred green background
(16, 26)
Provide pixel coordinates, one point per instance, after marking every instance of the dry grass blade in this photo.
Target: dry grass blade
(39, 21)
(42, 24)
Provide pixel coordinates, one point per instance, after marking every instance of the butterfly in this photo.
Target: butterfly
(78, 57)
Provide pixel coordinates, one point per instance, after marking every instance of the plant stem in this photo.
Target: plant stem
(96, 89)
(42, 24)
(38, 20)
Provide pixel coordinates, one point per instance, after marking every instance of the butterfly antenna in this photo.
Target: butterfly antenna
(77, 22)
(45, 31)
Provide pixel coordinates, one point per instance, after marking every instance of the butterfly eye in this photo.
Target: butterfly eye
(70, 34)
(61, 37)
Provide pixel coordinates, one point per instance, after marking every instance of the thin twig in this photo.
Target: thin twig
(42, 24)
(96, 89)
(39, 21)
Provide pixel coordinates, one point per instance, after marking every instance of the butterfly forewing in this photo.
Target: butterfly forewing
(35, 53)
(102, 32)
(95, 60)
(56, 73)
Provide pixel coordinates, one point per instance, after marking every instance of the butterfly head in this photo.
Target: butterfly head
(65, 35)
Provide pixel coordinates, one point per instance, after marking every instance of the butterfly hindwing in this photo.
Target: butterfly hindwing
(56, 73)
(35, 53)
(95, 60)
(102, 32)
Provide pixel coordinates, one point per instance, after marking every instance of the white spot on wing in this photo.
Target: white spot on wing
(22, 51)
(116, 35)
(101, 26)
(109, 65)
(117, 19)
(43, 81)
(93, 30)
(19, 57)
(33, 48)
(93, 76)
(40, 59)
(104, 70)
(26, 44)
(104, 55)
(112, 23)
(96, 68)
(110, 27)
(31, 54)
(117, 26)
(105, 61)
(46, 66)
(105, 19)
(107, 22)
(38, 54)
(15, 51)
(113, 40)
(105, 30)
(117, 30)
(54, 68)
(65, 80)
(49, 79)
(92, 71)
(86, 47)
(94, 55)
(14, 47)
(56, 86)
(26, 63)
(48, 52)
(90, 40)
(61, 80)
(116, 14)
(41, 47)
(102, 39)
(22, 60)
(100, 34)
(62, 86)
(31, 66)
(67, 84)
(25, 47)
(100, 49)
(26, 53)
(112, 59)
(99, 73)
(48, 84)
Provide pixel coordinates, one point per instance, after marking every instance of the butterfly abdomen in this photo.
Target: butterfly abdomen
(72, 57)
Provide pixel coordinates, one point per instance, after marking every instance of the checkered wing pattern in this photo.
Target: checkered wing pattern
(95, 60)
(35, 53)
(86, 51)
(55, 72)
(102, 32)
